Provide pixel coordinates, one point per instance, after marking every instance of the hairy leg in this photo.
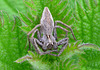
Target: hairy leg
(61, 28)
(55, 33)
(34, 43)
(38, 34)
(33, 33)
(66, 26)
(63, 41)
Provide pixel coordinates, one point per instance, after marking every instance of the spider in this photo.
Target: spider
(48, 42)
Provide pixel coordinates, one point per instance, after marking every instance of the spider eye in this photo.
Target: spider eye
(42, 42)
(49, 36)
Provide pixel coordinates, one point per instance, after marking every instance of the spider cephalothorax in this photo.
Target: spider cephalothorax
(48, 40)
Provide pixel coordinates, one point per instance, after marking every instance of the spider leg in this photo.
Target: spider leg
(38, 34)
(66, 26)
(61, 28)
(63, 41)
(55, 33)
(34, 43)
(33, 33)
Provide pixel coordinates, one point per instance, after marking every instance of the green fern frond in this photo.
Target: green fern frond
(11, 43)
(25, 19)
(73, 59)
(60, 7)
(87, 25)
(84, 17)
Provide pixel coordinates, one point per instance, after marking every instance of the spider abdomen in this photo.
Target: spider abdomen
(47, 23)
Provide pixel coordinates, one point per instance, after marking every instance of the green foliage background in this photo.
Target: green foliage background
(82, 15)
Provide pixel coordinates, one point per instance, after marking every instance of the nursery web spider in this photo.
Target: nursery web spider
(48, 42)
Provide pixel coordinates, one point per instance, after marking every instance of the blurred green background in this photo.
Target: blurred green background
(17, 17)
(11, 6)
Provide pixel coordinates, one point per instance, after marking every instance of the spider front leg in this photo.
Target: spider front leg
(65, 42)
(66, 26)
(61, 42)
(33, 34)
(55, 33)
(34, 43)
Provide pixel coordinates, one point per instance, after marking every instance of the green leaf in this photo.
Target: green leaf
(26, 29)
(11, 45)
(82, 15)
(87, 26)
(91, 56)
(30, 5)
(38, 65)
(83, 60)
(11, 7)
(1, 22)
(31, 53)
(20, 60)
(25, 19)
(76, 59)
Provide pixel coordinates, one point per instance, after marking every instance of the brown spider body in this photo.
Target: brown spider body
(47, 26)
(48, 40)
